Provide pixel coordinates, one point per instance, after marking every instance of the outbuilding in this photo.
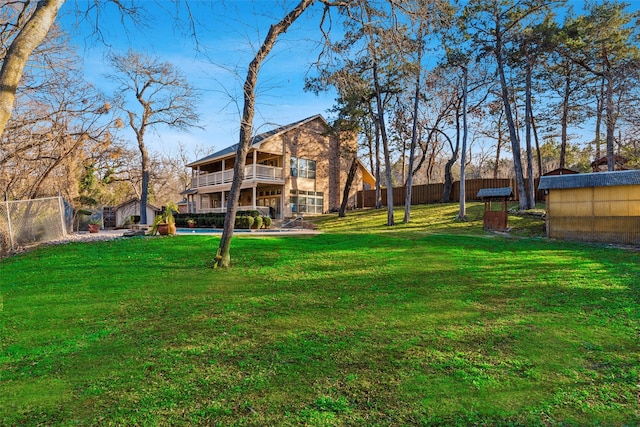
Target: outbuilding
(124, 211)
(598, 207)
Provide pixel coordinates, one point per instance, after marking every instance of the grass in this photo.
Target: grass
(429, 323)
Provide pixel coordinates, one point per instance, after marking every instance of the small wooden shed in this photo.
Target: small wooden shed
(598, 207)
(125, 210)
(495, 220)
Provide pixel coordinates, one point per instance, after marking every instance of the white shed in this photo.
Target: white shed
(125, 210)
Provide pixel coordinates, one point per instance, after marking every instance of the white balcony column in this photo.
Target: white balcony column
(255, 193)
(222, 199)
(255, 160)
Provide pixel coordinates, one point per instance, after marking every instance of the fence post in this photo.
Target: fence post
(62, 217)
(6, 201)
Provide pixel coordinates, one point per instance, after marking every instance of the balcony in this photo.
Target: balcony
(263, 173)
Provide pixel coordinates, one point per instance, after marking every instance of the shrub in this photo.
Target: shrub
(250, 213)
(244, 221)
(267, 221)
(257, 222)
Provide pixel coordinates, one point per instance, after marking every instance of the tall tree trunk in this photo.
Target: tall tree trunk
(144, 194)
(223, 257)
(448, 177)
(462, 214)
(17, 55)
(403, 161)
(370, 148)
(378, 176)
(535, 137)
(380, 120)
(496, 166)
(528, 114)
(347, 187)
(414, 136)
(610, 121)
(145, 164)
(385, 144)
(513, 135)
(565, 120)
(599, 106)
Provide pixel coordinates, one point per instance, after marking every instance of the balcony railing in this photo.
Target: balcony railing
(262, 173)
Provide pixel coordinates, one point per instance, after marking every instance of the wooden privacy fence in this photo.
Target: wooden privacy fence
(432, 193)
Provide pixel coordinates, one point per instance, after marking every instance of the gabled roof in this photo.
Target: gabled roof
(495, 192)
(136, 200)
(585, 180)
(257, 140)
(367, 176)
(561, 171)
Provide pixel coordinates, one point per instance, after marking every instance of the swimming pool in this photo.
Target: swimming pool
(241, 230)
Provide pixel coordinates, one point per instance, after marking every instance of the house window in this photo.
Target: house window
(303, 168)
(310, 202)
(205, 201)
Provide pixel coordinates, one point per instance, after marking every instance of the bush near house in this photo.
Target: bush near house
(257, 222)
(244, 221)
(211, 220)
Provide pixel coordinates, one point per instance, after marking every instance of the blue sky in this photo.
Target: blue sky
(227, 34)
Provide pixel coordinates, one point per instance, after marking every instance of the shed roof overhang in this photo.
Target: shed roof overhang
(586, 180)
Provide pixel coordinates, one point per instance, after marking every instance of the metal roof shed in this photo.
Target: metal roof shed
(599, 207)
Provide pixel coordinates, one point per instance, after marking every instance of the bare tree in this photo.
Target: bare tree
(31, 33)
(58, 120)
(163, 97)
(426, 16)
(223, 256)
(26, 26)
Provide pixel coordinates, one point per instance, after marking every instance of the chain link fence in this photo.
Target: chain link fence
(27, 222)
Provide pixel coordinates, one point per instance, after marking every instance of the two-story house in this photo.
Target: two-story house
(298, 169)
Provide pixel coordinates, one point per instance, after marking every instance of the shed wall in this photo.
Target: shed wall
(599, 214)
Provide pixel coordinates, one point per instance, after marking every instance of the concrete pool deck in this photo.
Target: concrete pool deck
(114, 234)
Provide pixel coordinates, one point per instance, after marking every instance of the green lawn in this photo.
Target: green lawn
(430, 323)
